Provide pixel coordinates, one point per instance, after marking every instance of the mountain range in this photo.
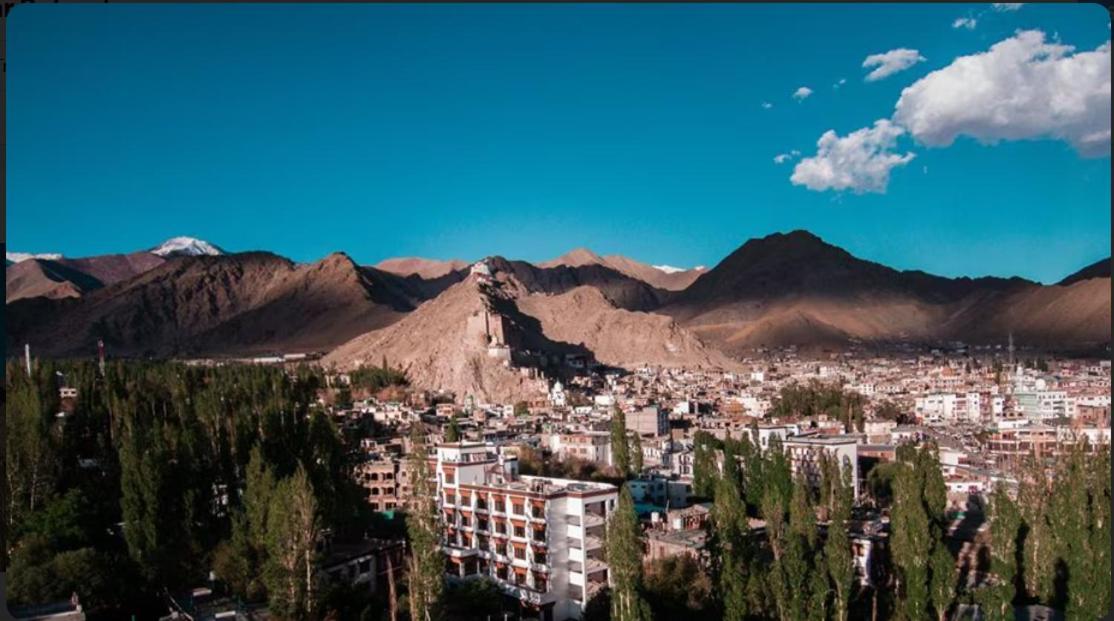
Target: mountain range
(491, 327)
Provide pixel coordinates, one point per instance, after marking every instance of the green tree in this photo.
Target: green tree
(911, 543)
(28, 456)
(996, 600)
(293, 528)
(423, 525)
(620, 447)
(704, 469)
(624, 558)
(636, 456)
(731, 536)
(677, 586)
(452, 431)
(837, 548)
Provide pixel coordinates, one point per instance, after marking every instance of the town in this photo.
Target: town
(519, 496)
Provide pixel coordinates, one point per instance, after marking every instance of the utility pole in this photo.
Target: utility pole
(27, 357)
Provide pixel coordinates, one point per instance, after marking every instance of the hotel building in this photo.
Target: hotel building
(540, 539)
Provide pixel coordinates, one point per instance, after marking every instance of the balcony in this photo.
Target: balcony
(595, 565)
(591, 519)
(592, 543)
(593, 588)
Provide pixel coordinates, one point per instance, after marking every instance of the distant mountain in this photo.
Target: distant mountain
(796, 289)
(620, 289)
(453, 342)
(1098, 269)
(618, 337)
(662, 277)
(783, 289)
(425, 268)
(185, 247)
(32, 278)
(217, 305)
(113, 268)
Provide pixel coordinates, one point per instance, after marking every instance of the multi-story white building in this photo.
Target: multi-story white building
(540, 539)
(804, 456)
(593, 446)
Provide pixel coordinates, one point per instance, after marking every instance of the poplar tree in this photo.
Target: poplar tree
(423, 525)
(837, 548)
(731, 536)
(620, 446)
(293, 527)
(1038, 552)
(911, 542)
(636, 456)
(996, 601)
(704, 470)
(624, 559)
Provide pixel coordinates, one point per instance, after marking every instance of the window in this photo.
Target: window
(539, 557)
(499, 528)
(450, 476)
(519, 531)
(520, 553)
(517, 509)
(499, 505)
(481, 524)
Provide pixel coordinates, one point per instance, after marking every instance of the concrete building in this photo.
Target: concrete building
(651, 420)
(594, 446)
(805, 451)
(539, 538)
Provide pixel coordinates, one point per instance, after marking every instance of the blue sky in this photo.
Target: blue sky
(522, 130)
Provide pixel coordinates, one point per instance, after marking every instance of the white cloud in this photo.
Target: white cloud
(891, 62)
(860, 161)
(19, 257)
(1006, 6)
(782, 158)
(802, 93)
(1021, 88)
(767, 105)
(841, 82)
(965, 22)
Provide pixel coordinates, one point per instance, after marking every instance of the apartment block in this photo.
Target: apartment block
(539, 538)
(805, 451)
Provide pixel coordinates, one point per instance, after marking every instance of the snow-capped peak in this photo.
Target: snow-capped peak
(669, 269)
(16, 257)
(185, 246)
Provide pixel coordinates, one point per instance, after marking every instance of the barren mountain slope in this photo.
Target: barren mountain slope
(219, 305)
(46, 278)
(619, 337)
(443, 345)
(668, 281)
(425, 268)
